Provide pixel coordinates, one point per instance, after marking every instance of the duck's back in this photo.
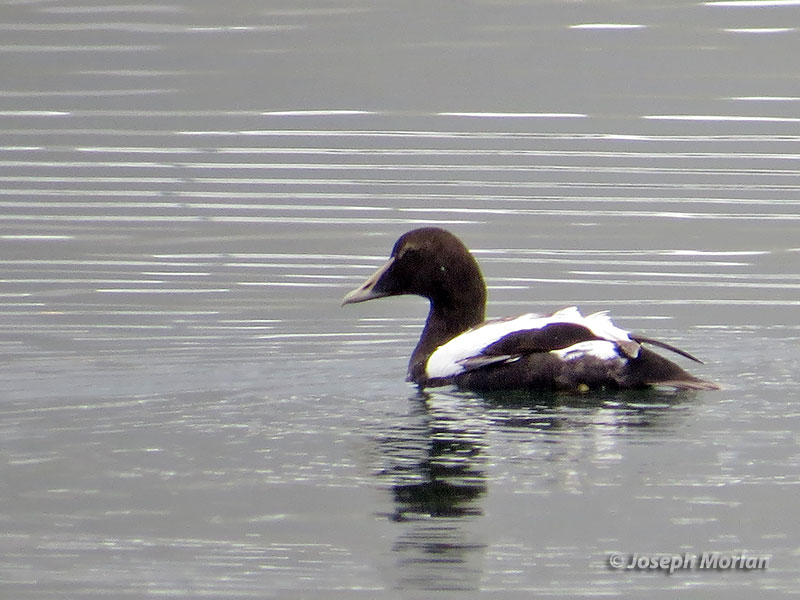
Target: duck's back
(564, 350)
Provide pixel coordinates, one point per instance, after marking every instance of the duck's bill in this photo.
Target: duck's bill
(367, 290)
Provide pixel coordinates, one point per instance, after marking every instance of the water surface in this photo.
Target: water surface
(188, 191)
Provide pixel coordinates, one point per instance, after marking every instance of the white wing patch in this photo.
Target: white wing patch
(449, 358)
(600, 324)
(599, 349)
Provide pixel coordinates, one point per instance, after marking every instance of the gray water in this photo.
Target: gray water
(188, 189)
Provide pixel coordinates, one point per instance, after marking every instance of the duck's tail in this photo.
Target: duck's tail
(695, 383)
(650, 368)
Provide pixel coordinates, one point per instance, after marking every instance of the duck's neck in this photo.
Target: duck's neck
(445, 321)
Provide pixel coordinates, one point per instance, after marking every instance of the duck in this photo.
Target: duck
(564, 350)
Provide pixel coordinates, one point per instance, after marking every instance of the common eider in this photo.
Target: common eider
(562, 351)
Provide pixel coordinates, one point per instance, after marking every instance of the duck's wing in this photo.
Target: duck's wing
(563, 328)
(551, 336)
(601, 324)
(503, 340)
(561, 349)
(507, 340)
(556, 336)
(646, 340)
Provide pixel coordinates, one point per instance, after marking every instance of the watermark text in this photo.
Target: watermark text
(688, 561)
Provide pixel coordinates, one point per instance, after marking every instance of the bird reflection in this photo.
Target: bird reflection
(435, 462)
(436, 470)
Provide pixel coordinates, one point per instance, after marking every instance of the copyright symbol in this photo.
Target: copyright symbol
(616, 560)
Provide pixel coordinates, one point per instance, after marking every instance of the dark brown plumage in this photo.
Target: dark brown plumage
(561, 351)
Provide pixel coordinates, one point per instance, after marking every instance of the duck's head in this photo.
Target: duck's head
(432, 263)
